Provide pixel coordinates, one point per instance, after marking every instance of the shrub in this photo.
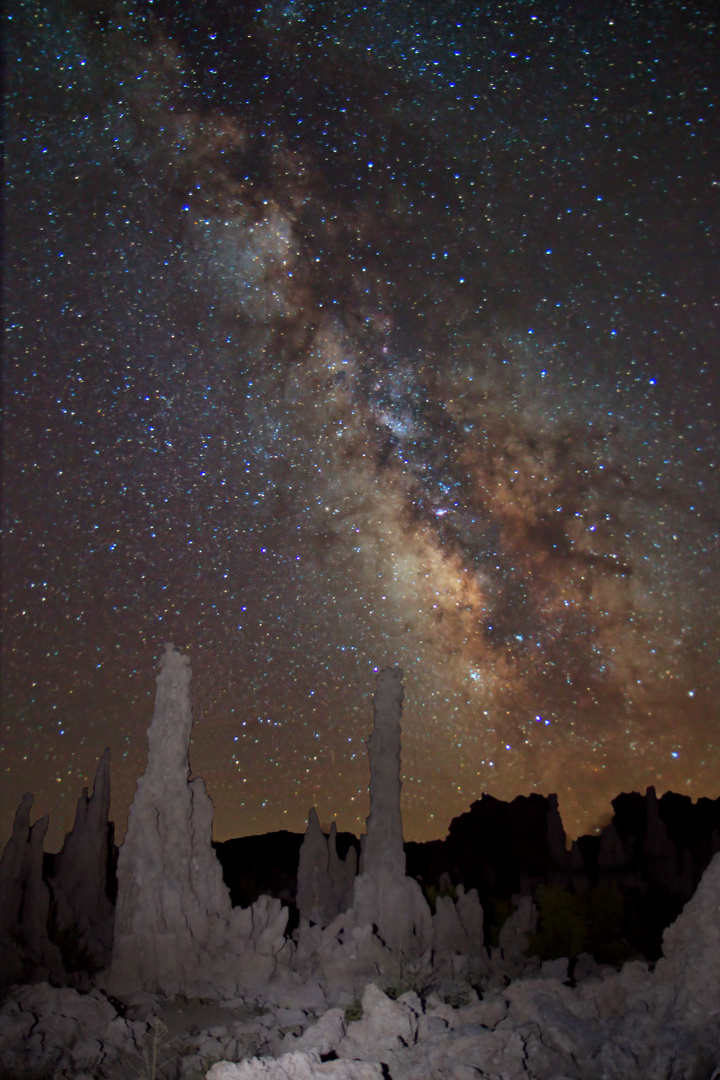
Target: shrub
(570, 923)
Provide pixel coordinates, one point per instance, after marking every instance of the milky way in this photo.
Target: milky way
(340, 339)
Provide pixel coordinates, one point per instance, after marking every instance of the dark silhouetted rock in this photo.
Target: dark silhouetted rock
(26, 952)
(260, 865)
(504, 848)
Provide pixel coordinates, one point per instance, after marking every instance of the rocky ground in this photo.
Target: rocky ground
(609, 1027)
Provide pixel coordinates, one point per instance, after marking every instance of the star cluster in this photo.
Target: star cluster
(338, 338)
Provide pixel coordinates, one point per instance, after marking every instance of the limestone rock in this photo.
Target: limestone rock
(344, 956)
(297, 1065)
(385, 1026)
(477, 1053)
(448, 932)
(26, 952)
(383, 896)
(324, 1036)
(382, 846)
(250, 951)
(176, 931)
(342, 874)
(470, 913)
(690, 970)
(324, 886)
(514, 933)
(79, 879)
(397, 907)
(459, 958)
(13, 868)
(313, 885)
(172, 905)
(46, 1030)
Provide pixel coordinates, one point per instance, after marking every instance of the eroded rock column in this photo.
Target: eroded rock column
(79, 876)
(383, 895)
(325, 881)
(26, 952)
(173, 906)
(382, 845)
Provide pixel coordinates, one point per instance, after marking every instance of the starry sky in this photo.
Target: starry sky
(342, 335)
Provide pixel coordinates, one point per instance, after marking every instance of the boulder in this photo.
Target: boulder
(324, 1036)
(297, 1065)
(385, 1026)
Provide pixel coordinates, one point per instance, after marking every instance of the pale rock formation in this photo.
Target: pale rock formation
(324, 1036)
(397, 907)
(385, 1026)
(80, 873)
(690, 970)
(634, 1024)
(459, 956)
(470, 913)
(342, 873)
(50, 1031)
(175, 930)
(449, 935)
(383, 895)
(382, 848)
(171, 896)
(509, 960)
(26, 951)
(255, 956)
(298, 1065)
(324, 885)
(515, 932)
(344, 957)
(313, 880)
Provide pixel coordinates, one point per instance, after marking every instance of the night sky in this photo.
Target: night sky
(342, 335)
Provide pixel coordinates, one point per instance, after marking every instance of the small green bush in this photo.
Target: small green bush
(570, 923)
(354, 1011)
(410, 973)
